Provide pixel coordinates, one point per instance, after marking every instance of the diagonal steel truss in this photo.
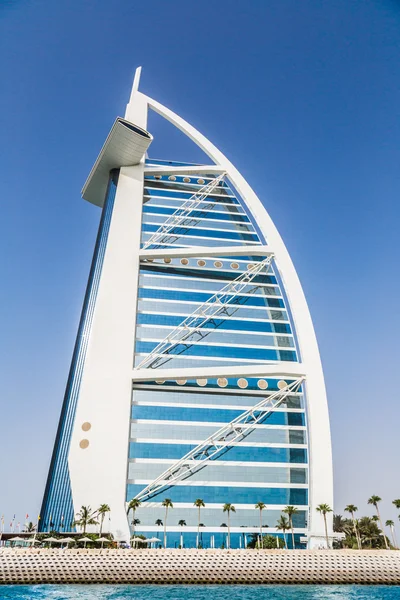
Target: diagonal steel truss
(221, 306)
(220, 442)
(181, 219)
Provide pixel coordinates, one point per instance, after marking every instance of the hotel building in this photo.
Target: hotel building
(196, 372)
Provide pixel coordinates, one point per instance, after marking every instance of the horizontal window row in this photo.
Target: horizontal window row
(200, 223)
(196, 434)
(183, 362)
(149, 305)
(235, 453)
(225, 472)
(219, 213)
(142, 394)
(164, 294)
(222, 325)
(258, 354)
(183, 231)
(171, 193)
(190, 241)
(207, 415)
(216, 337)
(234, 495)
(202, 268)
(210, 286)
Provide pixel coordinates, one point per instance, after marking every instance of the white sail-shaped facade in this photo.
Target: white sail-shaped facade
(196, 372)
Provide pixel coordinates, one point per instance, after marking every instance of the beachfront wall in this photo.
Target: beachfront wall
(136, 404)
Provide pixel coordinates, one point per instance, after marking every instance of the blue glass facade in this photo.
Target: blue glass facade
(170, 418)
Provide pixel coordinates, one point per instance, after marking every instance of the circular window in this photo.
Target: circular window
(218, 264)
(184, 261)
(172, 178)
(181, 381)
(84, 444)
(251, 266)
(262, 384)
(222, 382)
(86, 426)
(157, 177)
(201, 382)
(234, 266)
(150, 260)
(167, 261)
(282, 384)
(186, 179)
(201, 263)
(201, 181)
(160, 381)
(242, 383)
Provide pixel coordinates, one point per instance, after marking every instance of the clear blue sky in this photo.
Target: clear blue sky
(302, 95)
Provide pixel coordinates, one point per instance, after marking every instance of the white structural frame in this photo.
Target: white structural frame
(98, 473)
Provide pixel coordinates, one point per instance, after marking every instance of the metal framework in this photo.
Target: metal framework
(181, 218)
(223, 304)
(220, 442)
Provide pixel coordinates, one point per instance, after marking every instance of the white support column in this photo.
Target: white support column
(98, 472)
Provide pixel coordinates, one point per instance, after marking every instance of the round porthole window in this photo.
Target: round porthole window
(243, 383)
(86, 426)
(186, 179)
(201, 382)
(282, 384)
(201, 263)
(157, 177)
(218, 264)
(201, 181)
(234, 266)
(172, 178)
(262, 384)
(167, 261)
(251, 266)
(222, 382)
(160, 381)
(181, 381)
(84, 444)
(184, 261)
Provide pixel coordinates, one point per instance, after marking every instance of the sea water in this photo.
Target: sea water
(199, 592)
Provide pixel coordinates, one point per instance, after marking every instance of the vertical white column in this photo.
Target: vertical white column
(98, 471)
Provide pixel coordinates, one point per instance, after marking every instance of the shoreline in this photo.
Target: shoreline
(86, 566)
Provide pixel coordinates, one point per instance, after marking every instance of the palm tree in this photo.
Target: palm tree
(324, 509)
(351, 508)
(370, 533)
(85, 517)
(133, 506)
(102, 511)
(200, 504)
(290, 511)
(167, 504)
(260, 506)
(390, 524)
(375, 500)
(182, 523)
(284, 525)
(229, 508)
(30, 527)
(159, 523)
(397, 503)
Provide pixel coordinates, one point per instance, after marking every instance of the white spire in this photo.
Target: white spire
(136, 81)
